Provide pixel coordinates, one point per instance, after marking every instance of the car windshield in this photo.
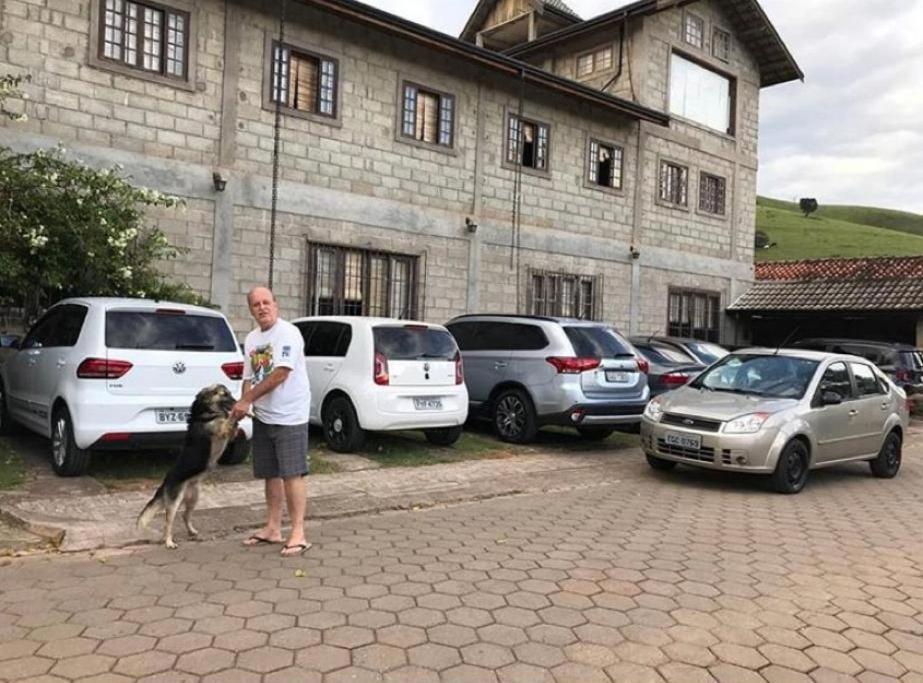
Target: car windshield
(913, 359)
(168, 331)
(414, 342)
(707, 352)
(665, 355)
(759, 375)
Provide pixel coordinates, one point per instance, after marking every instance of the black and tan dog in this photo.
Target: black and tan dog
(210, 429)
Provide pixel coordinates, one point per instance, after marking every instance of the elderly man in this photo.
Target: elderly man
(276, 388)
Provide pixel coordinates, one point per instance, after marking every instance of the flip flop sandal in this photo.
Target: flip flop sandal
(259, 540)
(298, 548)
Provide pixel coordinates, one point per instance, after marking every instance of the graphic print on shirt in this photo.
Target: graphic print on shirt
(261, 363)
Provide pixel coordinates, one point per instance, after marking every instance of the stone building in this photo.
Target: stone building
(541, 163)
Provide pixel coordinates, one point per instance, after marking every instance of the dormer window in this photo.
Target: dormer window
(593, 62)
(693, 30)
(721, 44)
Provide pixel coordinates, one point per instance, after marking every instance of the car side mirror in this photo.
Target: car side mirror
(830, 398)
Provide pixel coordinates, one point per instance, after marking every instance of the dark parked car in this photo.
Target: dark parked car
(703, 352)
(903, 363)
(668, 367)
(8, 345)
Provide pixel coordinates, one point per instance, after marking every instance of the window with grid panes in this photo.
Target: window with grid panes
(349, 281)
(696, 315)
(604, 166)
(527, 143)
(674, 182)
(302, 81)
(711, 194)
(563, 294)
(144, 36)
(427, 116)
(693, 29)
(721, 44)
(591, 62)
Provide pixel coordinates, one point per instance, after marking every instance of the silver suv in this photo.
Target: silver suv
(524, 372)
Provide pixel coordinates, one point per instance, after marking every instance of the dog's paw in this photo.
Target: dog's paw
(193, 532)
(170, 543)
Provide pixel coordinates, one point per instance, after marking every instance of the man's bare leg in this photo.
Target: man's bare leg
(272, 531)
(297, 502)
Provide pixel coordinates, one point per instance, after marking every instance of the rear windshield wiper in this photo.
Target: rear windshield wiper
(195, 347)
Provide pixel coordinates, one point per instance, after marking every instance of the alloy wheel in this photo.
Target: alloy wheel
(511, 416)
(59, 441)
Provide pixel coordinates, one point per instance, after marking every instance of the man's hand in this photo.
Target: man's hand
(240, 410)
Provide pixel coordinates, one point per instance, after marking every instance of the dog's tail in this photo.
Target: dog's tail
(151, 509)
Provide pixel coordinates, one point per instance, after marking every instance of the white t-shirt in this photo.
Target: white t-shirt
(281, 346)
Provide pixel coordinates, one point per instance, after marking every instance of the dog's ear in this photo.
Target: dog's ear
(199, 405)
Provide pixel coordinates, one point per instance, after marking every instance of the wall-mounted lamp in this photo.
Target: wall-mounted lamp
(635, 253)
(219, 181)
(470, 225)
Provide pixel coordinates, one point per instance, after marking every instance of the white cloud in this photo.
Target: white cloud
(851, 133)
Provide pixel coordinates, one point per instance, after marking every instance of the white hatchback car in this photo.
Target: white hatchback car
(382, 374)
(114, 374)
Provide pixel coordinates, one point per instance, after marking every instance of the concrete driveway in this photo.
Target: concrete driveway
(616, 574)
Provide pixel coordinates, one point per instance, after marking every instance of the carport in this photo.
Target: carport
(871, 298)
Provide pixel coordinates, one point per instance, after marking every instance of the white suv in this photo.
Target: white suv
(98, 373)
(383, 374)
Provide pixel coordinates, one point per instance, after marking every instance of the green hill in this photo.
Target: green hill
(843, 231)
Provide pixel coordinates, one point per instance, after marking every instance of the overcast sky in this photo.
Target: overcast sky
(852, 133)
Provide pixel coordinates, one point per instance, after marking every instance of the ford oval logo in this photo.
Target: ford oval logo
(179, 367)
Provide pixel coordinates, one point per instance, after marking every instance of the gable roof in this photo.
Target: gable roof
(484, 7)
(836, 284)
(512, 68)
(751, 25)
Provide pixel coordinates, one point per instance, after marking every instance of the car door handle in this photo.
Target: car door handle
(853, 413)
(500, 365)
(885, 406)
(329, 368)
(61, 362)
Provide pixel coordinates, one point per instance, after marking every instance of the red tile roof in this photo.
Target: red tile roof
(836, 285)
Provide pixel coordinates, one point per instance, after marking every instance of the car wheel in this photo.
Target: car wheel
(236, 452)
(660, 464)
(791, 471)
(6, 423)
(341, 426)
(595, 433)
(514, 417)
(888, 461)
(66, 458)
(444, 436)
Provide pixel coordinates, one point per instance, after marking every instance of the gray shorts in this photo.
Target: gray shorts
(280, 451)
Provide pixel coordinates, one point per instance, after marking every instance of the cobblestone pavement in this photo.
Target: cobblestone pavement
(636, 576)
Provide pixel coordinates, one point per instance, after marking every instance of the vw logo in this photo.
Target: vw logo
(179, 367)
(426, 367)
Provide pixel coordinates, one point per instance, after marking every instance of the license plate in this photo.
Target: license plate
(691, 441)
(427, 403)
(167, 416)
(616, 376)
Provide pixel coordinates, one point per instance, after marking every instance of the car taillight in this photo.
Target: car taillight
(102, 368)
(234, 370)
(381, 370)
(459, 369)
(674, 379)
(643, 365)
(572, 366)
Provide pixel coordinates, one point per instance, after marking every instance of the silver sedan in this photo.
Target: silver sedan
(781, 413)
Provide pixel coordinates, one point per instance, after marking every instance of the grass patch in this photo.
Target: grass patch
(901, 221)
(411, 449)
(797, 237)
(123, 470)
(12, 468)
(319, 465)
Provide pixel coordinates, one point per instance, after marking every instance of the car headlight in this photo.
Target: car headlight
(653, 410)
(748, 424)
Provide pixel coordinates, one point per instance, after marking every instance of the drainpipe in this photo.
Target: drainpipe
(621, 54)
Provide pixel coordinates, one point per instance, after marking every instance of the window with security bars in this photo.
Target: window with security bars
(303, 81)
(721, 44)
(693, 29)
(563, 294)
(427, 116)
(349, 281)
(527, 143)
(591, 62)
(696, 315)
(674, 183)
(711, 194)
(604, 166)
(145, 36)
